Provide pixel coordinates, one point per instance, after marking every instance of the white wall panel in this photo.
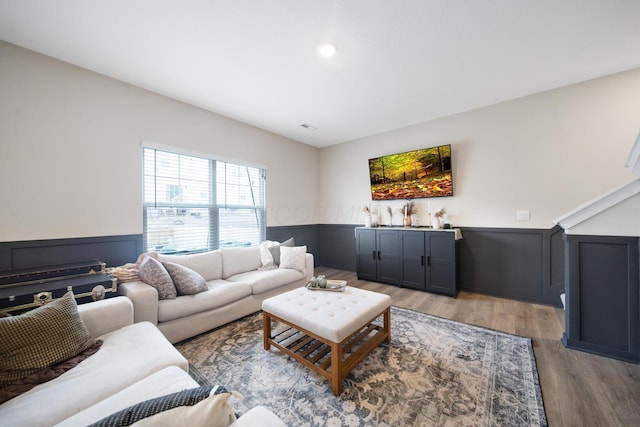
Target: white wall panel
(546, 154)
(70, 155)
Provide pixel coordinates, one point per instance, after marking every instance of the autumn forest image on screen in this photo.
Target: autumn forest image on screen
(412, 175)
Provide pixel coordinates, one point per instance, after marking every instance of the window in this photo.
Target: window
(194, 204)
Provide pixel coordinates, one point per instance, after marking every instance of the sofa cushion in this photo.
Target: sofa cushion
(218, 294)
(153, 273)
(259, 416)
(41, 338)
(200, 406)
(263, 281)
(186, 280)
(207, 264)
(166, 381)
(47, 374)
(293, 257)
(240, 260)
(109, 371)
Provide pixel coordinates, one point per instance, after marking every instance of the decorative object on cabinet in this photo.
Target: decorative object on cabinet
(367, 216)
(409, 214)
(437, 217)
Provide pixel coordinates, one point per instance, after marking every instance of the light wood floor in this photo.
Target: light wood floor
(578, 388)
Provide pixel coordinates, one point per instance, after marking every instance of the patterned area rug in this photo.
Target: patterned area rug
(435, 372)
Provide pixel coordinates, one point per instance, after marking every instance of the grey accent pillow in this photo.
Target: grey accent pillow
(153, 273)
(275, 250)
(186, 280)
(40, 338)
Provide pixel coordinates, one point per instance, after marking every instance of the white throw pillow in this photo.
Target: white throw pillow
(275, 250)
(266, 257)
(293, 257)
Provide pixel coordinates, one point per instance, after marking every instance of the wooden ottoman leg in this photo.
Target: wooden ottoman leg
(266, 328)
(387, 324)
(336, 368)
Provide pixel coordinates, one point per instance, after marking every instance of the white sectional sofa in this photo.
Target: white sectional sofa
(135, 363)
(237, 281)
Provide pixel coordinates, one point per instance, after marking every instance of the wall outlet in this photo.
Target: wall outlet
(522, 215)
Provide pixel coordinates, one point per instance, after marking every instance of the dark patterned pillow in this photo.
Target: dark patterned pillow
(153, 273)
(186, 280)
(275, 250)
(40, 338)
(151, 410)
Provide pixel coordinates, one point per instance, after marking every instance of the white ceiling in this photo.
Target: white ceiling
(399, 62)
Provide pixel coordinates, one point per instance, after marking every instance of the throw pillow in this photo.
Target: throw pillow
(186, 280)
(293, 257)
(266, 256)
(275, 250)
(40, 338)
(200, 406)
(153, 273)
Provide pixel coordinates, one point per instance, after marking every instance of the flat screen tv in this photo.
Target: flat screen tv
(412, 175)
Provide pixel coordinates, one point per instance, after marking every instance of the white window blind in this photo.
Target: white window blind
(194, 204)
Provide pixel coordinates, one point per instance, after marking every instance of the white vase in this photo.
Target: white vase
(367, 220)
(435, 223)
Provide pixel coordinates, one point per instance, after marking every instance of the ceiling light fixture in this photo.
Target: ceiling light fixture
(308, 126)
(327, 49)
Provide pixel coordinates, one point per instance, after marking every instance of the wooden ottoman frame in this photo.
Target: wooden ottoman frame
(332, 360)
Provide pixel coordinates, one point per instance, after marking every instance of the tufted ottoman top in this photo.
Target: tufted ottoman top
(331, 315)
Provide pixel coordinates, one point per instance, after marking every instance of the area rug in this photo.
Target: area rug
(435, 372)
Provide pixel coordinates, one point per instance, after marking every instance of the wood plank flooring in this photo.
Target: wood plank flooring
(578, 388)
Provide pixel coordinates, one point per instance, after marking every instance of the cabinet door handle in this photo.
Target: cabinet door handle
(422, 260)
(374, 255)
(378, 254)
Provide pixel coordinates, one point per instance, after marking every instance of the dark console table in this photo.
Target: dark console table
(416, 258)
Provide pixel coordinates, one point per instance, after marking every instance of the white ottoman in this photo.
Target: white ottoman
(330, 332)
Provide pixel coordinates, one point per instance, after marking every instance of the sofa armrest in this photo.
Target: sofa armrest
(144, 298)
(259, 416)
(106, 315)
(309, 265)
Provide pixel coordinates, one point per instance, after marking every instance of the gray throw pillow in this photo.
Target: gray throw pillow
(153, 273)
(275, 250)
(186, 280)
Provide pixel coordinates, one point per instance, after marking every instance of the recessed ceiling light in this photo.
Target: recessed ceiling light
(327, 50)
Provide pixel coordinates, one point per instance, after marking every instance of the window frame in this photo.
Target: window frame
(214, 208)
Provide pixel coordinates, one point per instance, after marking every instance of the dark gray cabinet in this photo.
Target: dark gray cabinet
(413, 259)
(367, 250)
(442, 263)
(421, 259)
(378, 255)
